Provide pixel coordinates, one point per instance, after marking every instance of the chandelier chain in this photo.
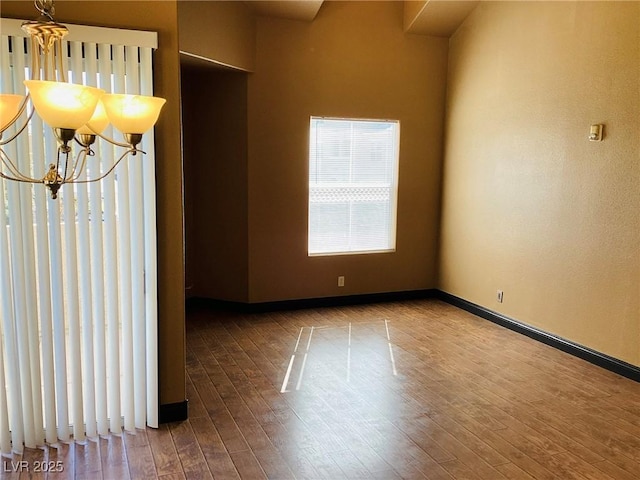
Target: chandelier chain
(46, 8)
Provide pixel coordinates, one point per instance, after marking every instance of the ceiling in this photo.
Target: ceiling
(440, 18)
(428, 17)
(293, 9)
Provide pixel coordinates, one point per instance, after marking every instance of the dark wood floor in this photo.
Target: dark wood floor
(415, 389)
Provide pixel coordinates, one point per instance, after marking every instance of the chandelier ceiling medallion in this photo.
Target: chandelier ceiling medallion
(77, 113)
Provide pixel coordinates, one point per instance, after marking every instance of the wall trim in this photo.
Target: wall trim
(592, 356)
(173, 412)
(302, 303)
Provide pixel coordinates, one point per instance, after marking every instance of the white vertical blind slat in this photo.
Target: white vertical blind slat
(19, 332)
(42, 139)
(71, 298)
(124, 265)
(137, 259)
(59, 334)
(32, 314)
(73, 316)
(111, 270)
(5, 432)
(37, 146)
(7, 354)
(97, 263)
(28, 270)
(85, 294)
(150, 255)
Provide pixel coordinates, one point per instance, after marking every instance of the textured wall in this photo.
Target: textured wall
(354, 61)
(220, 31)
(530, 206)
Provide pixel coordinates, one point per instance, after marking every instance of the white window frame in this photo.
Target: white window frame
(343, 189)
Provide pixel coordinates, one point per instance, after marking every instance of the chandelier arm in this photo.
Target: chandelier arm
(67, 150)
(21, 129)
(82, 167)
(13, 169)
(23, 180)
(112, 141)
(66, 163)
(76, 172)
(89, 180)
(57, 164)
(16, 173)
(18, 176)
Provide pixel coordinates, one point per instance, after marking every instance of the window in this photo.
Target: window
(353, 185)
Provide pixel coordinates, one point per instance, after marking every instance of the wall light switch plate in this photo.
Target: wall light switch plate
(595, 132)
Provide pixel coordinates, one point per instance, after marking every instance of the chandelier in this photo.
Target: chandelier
(77, 113)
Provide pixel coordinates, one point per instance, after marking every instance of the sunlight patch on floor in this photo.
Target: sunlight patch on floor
(364, 347)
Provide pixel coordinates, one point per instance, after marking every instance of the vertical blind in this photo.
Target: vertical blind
(353, 184)
(78, 301)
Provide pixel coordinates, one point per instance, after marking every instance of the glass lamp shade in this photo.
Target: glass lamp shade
(63, 105)
(97, 123)
(132, 113)
(9, 108)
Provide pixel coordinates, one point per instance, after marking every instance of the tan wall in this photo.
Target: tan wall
(160, 17)
(355, 61)
(215, 158)
(531, 206)
(221, 31)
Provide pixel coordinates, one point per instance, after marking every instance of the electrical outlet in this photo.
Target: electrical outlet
(500, 295)
(341, 281)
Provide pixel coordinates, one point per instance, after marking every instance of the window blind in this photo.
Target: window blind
(78, 302)
(353, 183)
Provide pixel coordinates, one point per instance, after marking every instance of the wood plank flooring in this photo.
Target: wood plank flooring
(417, 390)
